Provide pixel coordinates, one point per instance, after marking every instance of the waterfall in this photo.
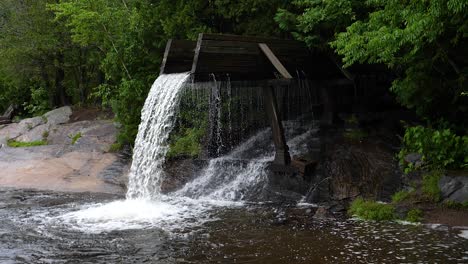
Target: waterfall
(157, 121)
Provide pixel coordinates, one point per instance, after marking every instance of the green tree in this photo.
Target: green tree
(425, 43)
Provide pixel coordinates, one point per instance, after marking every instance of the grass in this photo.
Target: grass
(116, 147)
(372, 210)
(401, 196)
(414, 215)
(19, 144)
(455, 205)
(75, 138)
(430, 186)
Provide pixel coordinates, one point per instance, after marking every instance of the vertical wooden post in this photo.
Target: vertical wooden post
(282, 156)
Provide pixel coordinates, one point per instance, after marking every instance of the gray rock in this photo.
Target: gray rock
(454, 188)
(36, 134)
(59, 116)
(13, 131)
(413, 158)
(323, 213)
(31, 123)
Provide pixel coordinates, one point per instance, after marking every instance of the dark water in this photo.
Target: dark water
(247, 234)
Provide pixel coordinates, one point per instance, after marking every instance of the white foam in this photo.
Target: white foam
(464, 234)
(166, 214)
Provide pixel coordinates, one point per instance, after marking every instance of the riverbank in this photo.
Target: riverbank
(71, 153)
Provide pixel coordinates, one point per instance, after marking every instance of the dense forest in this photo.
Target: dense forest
(107, 53)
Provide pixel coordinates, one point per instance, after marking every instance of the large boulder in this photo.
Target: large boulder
(15, 130)
(454, 188)
(30, 123)
(36, 134)
(59, 116)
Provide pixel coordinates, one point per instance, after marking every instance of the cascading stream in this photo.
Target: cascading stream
(157, 121)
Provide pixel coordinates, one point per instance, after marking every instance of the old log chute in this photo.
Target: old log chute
(273, 62)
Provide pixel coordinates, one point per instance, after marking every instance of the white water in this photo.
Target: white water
(226, 180)
(157, 121)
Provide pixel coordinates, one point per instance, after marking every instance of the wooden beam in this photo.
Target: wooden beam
(275, 61)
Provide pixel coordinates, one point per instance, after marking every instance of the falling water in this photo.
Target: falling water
(242, 174)
(157, 121)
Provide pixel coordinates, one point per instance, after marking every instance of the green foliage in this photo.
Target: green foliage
(425, 41)
(74, 138)
(45, 135)
(192, 122)
(455, 205)
(430, 186)
(414, 215)
(39, 103)
(116, 147)
(187, 144)
(440, 149)
(371, 210)
(18, 144)
(401, 196)
(316, 21)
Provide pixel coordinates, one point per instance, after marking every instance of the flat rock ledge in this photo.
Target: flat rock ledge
(75, 159)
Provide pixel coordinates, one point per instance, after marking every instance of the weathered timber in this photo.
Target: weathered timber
(178, 56)
(243, 59)
(282, 156)
(275, 61)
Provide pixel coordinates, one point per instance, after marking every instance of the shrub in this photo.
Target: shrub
(439, 149)
(188, 144)
(18, 144)
(116, 147)
(414, 215)
(430, 186)
(401, 196)
(372, 210)
(455, 205)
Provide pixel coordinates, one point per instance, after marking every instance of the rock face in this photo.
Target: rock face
(349, 170)
(63, 165)
(454, 188)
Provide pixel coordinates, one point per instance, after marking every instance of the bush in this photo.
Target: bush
(440, 149)
(455, 205)
(430, 186)
(414, 215)
(372, 210)
(189, 144)
(401, 196)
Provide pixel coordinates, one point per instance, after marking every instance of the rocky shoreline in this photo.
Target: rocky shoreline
(74, 156)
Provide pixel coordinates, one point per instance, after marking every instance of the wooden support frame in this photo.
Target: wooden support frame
(275, 61)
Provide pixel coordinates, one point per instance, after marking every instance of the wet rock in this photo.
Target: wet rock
(59, 115)
(454, 188)
(323, 213)
(349, 170)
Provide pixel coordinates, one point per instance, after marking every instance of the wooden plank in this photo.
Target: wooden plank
(166, 55)
(275, 61)
(178, 56)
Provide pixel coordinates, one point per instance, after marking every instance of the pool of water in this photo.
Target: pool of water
(41, 227)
